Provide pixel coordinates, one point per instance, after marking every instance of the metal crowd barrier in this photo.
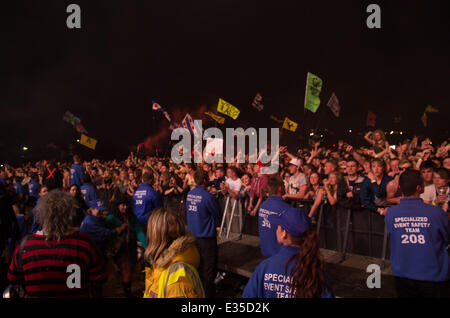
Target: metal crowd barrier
(335, 237)
(232, 206)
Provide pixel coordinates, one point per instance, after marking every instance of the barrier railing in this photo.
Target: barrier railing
(232, 206)
(333, 224)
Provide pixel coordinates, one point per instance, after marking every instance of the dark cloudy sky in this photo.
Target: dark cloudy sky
(185, 54)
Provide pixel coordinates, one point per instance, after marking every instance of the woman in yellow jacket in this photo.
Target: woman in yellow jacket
(173, 258)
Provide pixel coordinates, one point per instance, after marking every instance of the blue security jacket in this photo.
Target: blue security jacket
(202, 209)
(419, 235)
(271, 279)
(88, 192)
(33, 189)
(370, 191)
(268, 232)
(19, 189)
(145, 200)
(76, 174)
(95, 228)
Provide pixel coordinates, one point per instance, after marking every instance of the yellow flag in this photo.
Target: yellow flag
(289, 124)
(217, 118)
(88, 141)
(227, 109)
(431, 109)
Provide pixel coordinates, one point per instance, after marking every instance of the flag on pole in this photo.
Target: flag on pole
(313, 88)
(371, 119)
(189, 124)
(80, 128)
(88, 141)
(227, 109)
(217, 118)
(333, 104)
(276, 119)
(156, 106)
(431, 109)
(424, 119)
(257, 102)
(289, 124)
(71, 118)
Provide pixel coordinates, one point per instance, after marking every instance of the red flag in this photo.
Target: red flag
(371, 119)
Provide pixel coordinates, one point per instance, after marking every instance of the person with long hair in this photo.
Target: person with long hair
(59, 247)
(172, 258)
(125, 253)
(378, 141)
(75, 192)
(297, 270)
(330, 186)
(314, 192)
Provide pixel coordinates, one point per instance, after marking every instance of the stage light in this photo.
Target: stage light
(392, 132)
(78, 140)
(25, 148)
(349, 130)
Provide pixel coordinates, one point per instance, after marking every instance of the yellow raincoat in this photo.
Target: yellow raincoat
(174, 273)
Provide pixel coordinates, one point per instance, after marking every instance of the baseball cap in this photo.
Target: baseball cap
(294, 221)
(97, 204)
(295, 162)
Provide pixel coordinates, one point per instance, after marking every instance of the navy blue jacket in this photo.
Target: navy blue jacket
(33, 189)
(76, 174)
(95, 228)
(271, 279)
(145, 200)
(202, 209)
(268, 232)
(370, 191)
(419, 235)
(88, 192)
(19, 189)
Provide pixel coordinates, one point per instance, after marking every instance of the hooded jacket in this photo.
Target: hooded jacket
(174, 273)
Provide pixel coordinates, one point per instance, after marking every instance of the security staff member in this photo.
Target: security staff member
(33, 188)
(419, 235)
(88, 190)
(283, 275)
(273, 205)
(76, 172)
(146, 199)
(202, 210)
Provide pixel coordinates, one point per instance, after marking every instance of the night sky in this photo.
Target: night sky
(187, 54)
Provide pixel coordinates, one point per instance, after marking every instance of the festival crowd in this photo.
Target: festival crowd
(148, 213)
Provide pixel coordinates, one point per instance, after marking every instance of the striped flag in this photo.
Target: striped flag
(158, 107)
(189, 124)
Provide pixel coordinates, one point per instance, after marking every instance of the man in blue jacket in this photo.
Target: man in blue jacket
(33, 188)
(94, 225)
(419, 235)
(274, 205)
(202, 210)
(87, 190)
(76, 172)
(145, 199)
(373, 188)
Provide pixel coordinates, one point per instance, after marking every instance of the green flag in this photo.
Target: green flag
(313, 88)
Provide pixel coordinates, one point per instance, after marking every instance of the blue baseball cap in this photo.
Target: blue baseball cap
(97, 204)
(294, 221)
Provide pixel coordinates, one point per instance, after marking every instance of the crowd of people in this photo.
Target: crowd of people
(163, 216)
